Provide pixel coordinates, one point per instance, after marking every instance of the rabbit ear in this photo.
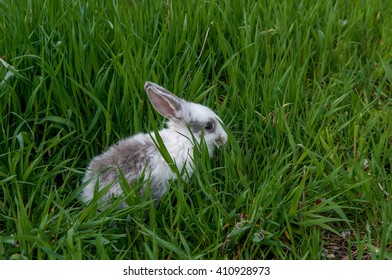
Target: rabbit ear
(164, 101)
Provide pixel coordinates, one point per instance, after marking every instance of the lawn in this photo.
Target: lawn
(304, 90)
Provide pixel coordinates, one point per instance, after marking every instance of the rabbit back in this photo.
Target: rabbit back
(134, 156)
(131, 155)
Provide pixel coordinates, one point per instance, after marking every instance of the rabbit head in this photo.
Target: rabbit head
(191, 120)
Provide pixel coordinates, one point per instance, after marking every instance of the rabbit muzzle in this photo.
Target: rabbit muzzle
(221, 140)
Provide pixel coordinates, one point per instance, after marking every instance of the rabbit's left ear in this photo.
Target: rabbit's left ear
(164, 101)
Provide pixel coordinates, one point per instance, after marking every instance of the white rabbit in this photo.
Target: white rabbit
(139, 155)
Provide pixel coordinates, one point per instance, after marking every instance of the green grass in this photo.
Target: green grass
(304, 88)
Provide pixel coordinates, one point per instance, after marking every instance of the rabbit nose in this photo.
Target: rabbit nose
(221, 140)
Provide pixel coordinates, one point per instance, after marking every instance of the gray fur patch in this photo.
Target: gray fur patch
(129, 155)
(197, 126)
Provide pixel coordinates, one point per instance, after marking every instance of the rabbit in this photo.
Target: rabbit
(138, 154)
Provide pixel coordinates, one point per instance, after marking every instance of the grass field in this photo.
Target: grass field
(304, 88)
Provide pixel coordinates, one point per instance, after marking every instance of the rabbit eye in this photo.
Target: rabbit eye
(208, 126)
